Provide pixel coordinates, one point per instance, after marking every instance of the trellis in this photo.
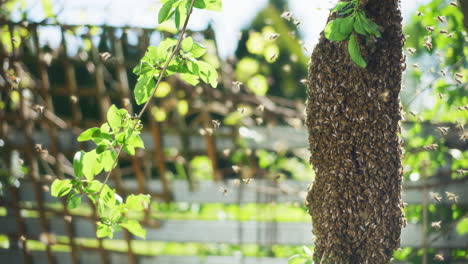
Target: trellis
(55, 104)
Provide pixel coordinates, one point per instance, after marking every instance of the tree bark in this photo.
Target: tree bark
(353, 119)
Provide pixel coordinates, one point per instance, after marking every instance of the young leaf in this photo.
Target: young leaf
(104, 230)
(78, 164)
(370, 26)
(187, 44)
(355, 52)
(73, 201)
(91, 165)
(134, 227)
(130, 150)
(136, 142)
(101, 148)
(208, 73)
(333, 30)
(339, 6)
(87, 134)
(60, 188)
(213, 5)
(165, 11)
(114, 118)
(198, 50)
(346, 26)
(143, 89)
(358, 25)
(108, 159)
(137, 202)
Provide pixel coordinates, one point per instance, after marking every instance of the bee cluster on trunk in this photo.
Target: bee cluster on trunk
(353, 116)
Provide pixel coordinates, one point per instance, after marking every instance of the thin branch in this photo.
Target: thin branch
(161, 76)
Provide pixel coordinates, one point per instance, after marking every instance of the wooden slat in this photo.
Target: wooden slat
(255, 138)
(287, 233)
(287, 191)
(12, 256)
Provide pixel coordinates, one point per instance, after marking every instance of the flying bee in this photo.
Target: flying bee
(430, 29)
(437, 197)
(441, 19)
(235, 168)
(443, 130)
(453, 4)
(223, 190)
(436, 225)
(216, 124)
(411, 51)
(419, 13)
(274, 36)
(105, 56)
(247, 181)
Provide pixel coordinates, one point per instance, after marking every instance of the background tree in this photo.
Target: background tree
(352, 119)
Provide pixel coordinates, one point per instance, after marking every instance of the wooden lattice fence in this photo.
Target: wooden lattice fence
(51, 94)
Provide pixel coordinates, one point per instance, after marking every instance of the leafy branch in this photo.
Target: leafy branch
(351, 20)
(122, 131)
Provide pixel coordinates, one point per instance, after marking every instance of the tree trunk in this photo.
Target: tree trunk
(353, 119)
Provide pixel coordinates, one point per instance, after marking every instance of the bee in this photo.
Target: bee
(216, 124)
(441, 19)
(235, 168)
(452, 197)
(443, 130)
(411, 51)
(274, 36)
(286, 15)
(419, 13)
(105, 56)
(261, 108)
(439, 257)
(436, 225)
(430, 29)
(224, 191)
(453, 4)
(247, 181)
(436, 196)
(443, 32)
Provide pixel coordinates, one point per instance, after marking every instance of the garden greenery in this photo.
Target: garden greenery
(122, 130)
(351, 20)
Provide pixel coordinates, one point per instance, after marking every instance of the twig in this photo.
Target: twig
(161, 76)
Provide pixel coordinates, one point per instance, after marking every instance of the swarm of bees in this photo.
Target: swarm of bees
(353, 119)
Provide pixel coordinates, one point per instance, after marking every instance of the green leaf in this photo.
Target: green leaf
(333, 30)
(355, 52)
(198, 50)
(339, 6)
(143, 89)
(130, 150)
(108, 159)
(187, 44)
(359, 26)
(370, 26)
(60, 188)
(101, 148)
(208, 73)
(114, 118)
(91, 165)
(190, 79)
(258, 84)
(78, 164)
(134, 227)
(346, 26)
(136, 142)
(165, 11)
(164, 47)
(73, 201)
(137, 202)
(462, 227)
(87, 134)
(104, 230)
(213, 5)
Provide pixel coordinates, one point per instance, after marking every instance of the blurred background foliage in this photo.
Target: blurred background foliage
(271, 60)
